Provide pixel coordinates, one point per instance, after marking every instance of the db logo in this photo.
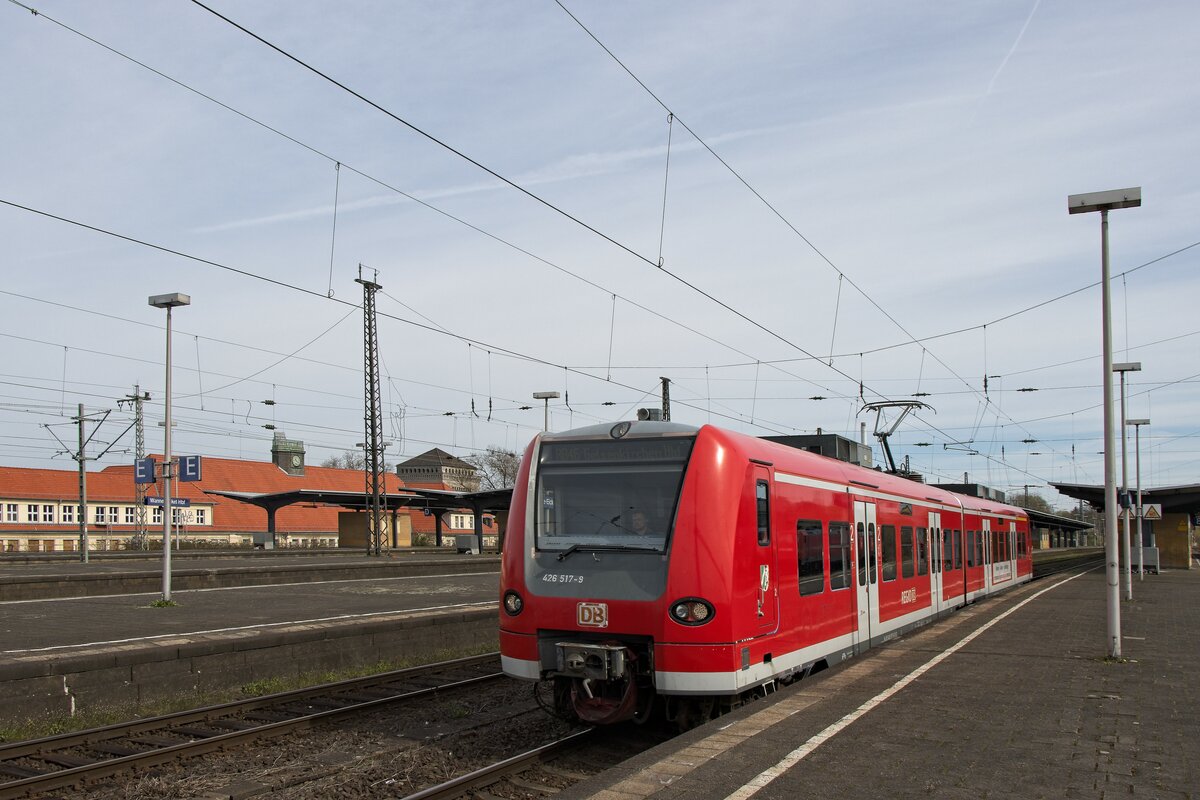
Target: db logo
(592, 615)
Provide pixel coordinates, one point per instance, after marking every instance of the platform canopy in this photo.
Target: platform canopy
(1043, 520)
(431, 499)
(1173, 499)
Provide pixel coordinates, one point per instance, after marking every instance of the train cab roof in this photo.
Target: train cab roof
(624, 430)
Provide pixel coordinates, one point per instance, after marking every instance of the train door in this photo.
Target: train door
(935, 560)
(986, 558)
(867, 574)
(1003, 568)
(766, 594)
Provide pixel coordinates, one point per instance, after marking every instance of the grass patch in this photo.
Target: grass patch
(164, 604)
(41, 727)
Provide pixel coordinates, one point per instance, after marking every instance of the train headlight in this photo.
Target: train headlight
(513, 604)
(692, 611)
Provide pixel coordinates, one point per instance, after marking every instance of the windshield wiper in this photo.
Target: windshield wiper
(607, 548)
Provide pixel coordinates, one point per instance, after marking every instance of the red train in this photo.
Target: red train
(650, 560)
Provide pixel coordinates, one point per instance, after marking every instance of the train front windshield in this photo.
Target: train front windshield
(619, 494)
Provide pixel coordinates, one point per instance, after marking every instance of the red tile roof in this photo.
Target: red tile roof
(115, 484)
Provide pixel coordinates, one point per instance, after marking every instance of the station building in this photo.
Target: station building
(39, 507)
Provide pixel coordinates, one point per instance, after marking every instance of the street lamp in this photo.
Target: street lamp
(168, 301)
(1082, 204)
(1137, 458)
(547, 396)
(1121, 369)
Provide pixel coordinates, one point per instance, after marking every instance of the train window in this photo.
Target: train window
(872, 571)
(957, 549)
(764, 513)
(887, 534)
(970, 548)
(862, 556)
(811, 546)
(839, 555)
(592, 494)
(922, 553)
(979, 548)
(1021, 545)
(906, 551)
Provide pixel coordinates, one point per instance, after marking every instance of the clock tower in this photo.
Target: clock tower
(287, 454)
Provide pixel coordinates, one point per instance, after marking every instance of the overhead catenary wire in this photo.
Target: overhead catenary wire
(757, 362)
(284, 284)
(381, 183)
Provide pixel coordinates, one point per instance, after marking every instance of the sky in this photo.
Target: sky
(786, 209)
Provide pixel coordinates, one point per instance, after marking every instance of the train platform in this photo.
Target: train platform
(234, 622)
(26, 578)
(1010, 697)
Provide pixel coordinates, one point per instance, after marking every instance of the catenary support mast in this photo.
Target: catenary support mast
(373, 466)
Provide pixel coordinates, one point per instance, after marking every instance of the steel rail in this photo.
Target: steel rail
(109, 767)
(495, 772)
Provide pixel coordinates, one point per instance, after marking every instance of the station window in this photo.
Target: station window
(10, 512)
(32, 513)
(811, 547)
(763, 508)
(98, 515)
(114, 515)
(68, 513)
(906, 551)
(156, 516)
(887, 535)
(922, 552)
(130, 515)
(840, 564)
(201, 516)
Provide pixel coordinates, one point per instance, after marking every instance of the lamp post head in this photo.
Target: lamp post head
(1137, 422)
(170, 300)
(546, 395)
(1103, 201)
(1127, 366)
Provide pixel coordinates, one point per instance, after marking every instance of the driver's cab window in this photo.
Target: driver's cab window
(764, 513)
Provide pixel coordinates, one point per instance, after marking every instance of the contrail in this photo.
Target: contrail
(1012, 49)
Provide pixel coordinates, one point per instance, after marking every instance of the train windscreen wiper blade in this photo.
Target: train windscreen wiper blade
(607, 548)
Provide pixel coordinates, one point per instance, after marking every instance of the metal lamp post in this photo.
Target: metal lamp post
(1082, 204)
(1126, 573)
(547, 396)
(1137, 460)
(168, 301)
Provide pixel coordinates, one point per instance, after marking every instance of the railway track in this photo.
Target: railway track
(1064, 563)
(74, 759)
(547, 770)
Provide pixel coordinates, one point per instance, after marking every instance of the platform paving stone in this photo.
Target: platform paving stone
(1031, 708)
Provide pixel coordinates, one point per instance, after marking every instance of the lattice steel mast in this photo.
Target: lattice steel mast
(139, 540)
(373, 466)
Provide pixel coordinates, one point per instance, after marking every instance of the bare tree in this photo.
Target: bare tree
(1032, 501)
(497, 467)
(351, 459)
